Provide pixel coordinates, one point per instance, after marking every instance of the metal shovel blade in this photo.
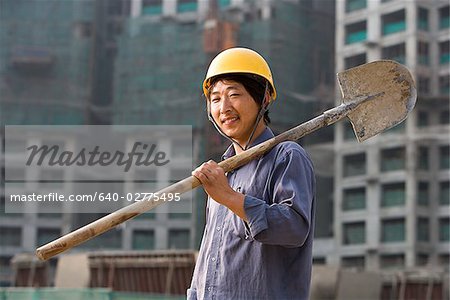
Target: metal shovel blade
(394, 93)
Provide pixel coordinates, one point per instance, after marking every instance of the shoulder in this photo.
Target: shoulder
(289, 150)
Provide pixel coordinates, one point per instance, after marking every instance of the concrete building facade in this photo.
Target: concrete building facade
(391, 195)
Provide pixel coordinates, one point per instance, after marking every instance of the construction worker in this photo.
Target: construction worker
(257, 242)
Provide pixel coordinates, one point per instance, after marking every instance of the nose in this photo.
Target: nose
(225, 105)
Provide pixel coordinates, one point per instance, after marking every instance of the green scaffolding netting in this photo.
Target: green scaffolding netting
(77, 294)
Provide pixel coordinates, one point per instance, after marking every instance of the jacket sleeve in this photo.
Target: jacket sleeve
(287, 221)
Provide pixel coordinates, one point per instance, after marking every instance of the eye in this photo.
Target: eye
(215, 100)
(234, 95)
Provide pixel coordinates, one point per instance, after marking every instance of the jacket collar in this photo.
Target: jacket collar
(264, 136)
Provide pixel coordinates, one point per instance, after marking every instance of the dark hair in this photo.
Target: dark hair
(253, 84)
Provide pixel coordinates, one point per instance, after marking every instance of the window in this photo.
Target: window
(2, 206)
(393, 230)
(444, 154)
(422, 193)
(348, 131)
(143, 240)
(186, 6)
(51, 178)
(46, 235)
(393, 195)
(444, 17)
(354, 199)
(178, 174)
(444, 229)
(392, 261)
(5, 270)
(444, 84)
(423, 84)
(181, 148)
(109, 240)
(320, 260)
(60, 145)
(395, 52)
(179, 239)
(356, 32)
(355, 60)
(179, 215)
(152, 7)
(82, 30)
(422, 119)
(422, 162)
(149, 215)
(5, 209)
(393, 22)
(13, 146)
(145, 179)
(181, 209)
(357, 262)
(444, 117)
(393, 159)
(352, 5)
(444, 52)
(399, 128)
(423, 53)
(422, 259)
(224, 3)
(444, 260)
(423, 229)
(422, 19)
(355, 164)
(46, 211)
(15, 177)
(354, 233)
(11, 236)
(444, 193)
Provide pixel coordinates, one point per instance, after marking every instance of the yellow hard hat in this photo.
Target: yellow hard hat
(238, 60)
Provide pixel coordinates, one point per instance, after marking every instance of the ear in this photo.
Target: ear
(267, 99)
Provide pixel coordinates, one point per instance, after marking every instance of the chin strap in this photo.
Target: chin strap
(210, 118)
(262, 111)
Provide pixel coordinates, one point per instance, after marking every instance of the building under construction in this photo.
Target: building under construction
(137, 62)
(382, 205)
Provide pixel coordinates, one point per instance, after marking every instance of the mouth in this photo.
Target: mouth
(229, 120)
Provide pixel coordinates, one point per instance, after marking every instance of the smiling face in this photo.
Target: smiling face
(234, 110)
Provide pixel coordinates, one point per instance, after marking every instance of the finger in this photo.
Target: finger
(205, 167)
(201, 176)
(199, 167)
(215, 165)
(212, 164)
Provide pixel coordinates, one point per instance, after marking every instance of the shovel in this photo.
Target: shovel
(375, 97)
